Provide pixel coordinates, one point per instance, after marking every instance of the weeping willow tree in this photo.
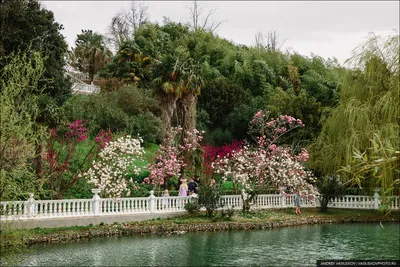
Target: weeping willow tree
(360, 136)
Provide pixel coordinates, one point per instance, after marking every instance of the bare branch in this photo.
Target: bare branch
(272, 41)
(137, 15)
(119, 29)
(124, 23)
(196, 12)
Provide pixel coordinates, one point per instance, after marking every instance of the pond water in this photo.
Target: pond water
(294, 246)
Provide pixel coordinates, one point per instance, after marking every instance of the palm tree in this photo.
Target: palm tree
(90, 53)
(178, 78)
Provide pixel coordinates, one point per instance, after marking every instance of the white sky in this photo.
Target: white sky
(327, 29)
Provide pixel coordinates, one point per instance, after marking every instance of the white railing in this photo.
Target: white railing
(83, 88)
(79, 76)
(39, 209)
(353, 202)
(75, 74)
(232, 201)
(79, 80)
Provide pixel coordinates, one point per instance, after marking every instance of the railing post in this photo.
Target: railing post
(152, 200)
(283, 201)
(31, 206)
(96, 202)
(376, 198)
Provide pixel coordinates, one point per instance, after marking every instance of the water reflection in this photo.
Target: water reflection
(296, 246)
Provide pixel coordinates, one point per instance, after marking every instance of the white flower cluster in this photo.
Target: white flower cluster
(109, 172)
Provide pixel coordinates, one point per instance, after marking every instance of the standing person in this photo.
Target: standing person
(192, 185)
(183, 188)
(165, 194)
(197, 181)
(297, 201)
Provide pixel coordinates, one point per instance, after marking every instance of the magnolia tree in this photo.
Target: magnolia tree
(170, 160)
(113, 164)
(267, 162)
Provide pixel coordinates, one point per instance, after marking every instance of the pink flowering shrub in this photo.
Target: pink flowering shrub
(170, 159)
(212, 153)
(64, 160)
(267, 132)
(268, 163)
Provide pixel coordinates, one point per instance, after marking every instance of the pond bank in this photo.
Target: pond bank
(187, 223)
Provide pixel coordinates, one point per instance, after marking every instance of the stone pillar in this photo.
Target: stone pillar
(377, 200)
(283, 201)
(30, 206)
(152, 202)
(96, 202)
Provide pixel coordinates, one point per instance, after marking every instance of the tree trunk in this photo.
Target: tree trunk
(91, 73)
(168, 106)
(186, 111)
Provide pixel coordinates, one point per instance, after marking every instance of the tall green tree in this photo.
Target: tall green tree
(18, 137)
(301, 106)
(26, 23)
(368, 107)
(90, 53)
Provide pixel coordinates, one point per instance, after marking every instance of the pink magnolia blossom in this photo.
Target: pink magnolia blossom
(267, 163)
(170, 157)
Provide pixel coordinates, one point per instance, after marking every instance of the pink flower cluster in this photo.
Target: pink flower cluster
(66, 139)
(103, 138)
(302, 156)
(211, 153)
(77, 130)
(266, 132)
(267, 163)
(170, 158)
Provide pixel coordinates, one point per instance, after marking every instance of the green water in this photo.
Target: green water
(295, 246)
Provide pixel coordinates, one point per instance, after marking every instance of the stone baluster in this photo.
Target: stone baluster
(152, 202)
(30, 206)
(283, 201)
(376, 198)
(96, 200)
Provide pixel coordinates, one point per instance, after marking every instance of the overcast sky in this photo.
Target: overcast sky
(328, 29)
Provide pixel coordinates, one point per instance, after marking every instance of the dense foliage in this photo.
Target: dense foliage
(130, 110)
(365, 123)
(236, 81)
(25, 23)
(19, 109)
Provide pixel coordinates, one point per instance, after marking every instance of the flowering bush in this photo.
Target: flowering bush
(63, 158)
(267, 163)
(212, 153)
(109, 171)
(268, 132)
(170, 159)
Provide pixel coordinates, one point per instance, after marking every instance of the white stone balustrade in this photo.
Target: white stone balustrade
(83, 88)
(39, 209)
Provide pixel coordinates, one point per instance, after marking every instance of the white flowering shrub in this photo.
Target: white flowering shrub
(108, 172)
